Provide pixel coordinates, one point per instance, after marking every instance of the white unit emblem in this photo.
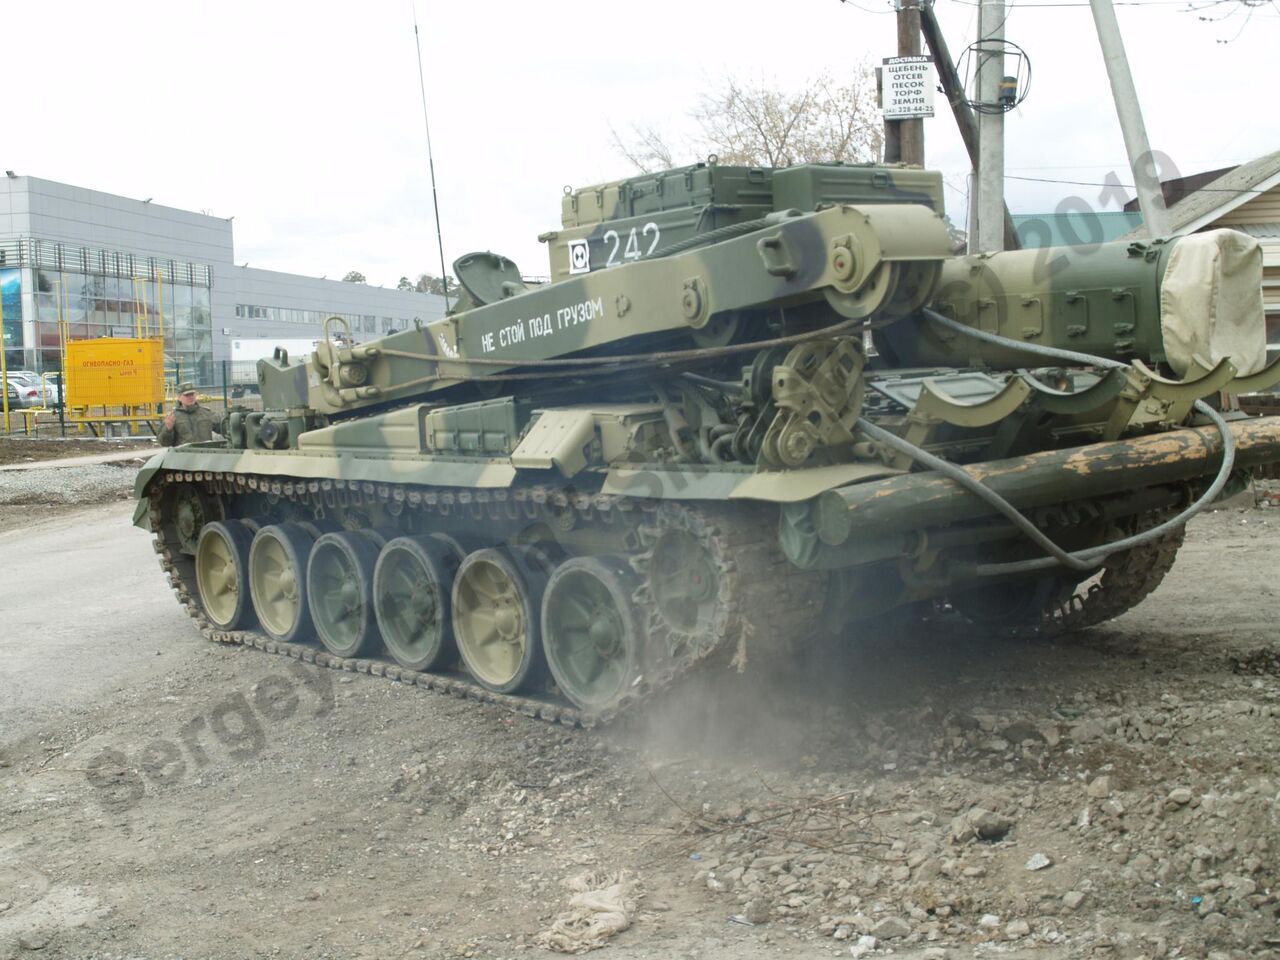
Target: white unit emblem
(579, 257)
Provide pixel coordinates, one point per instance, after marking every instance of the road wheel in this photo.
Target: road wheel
(278, 581)
(591, 632)
(222, 574)
(495, 619)
(412, 591)
(340, 593)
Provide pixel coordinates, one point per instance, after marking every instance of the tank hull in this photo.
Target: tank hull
(798, 411)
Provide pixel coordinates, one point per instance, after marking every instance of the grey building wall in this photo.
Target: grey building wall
(15, 207)
(79, 217)
(90, 218)
(269, 288)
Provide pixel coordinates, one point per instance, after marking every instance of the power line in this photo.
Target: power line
(1113, 164)
(866, 9)
(1186, 4)
(1129, 186)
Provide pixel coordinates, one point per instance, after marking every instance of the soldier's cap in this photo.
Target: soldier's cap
(187, 387)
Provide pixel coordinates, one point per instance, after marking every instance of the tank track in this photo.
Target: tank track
(1126, 580)
(762, 596)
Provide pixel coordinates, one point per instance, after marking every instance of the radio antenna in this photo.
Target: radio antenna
(431, 163)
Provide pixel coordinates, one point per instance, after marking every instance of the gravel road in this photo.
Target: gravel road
(85, 611)
(1111, 795)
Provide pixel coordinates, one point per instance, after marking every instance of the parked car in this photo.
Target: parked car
(22, 394)
(48, 387)
(47, 390)
(16, 400)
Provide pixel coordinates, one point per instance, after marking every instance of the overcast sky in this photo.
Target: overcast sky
(304, 120)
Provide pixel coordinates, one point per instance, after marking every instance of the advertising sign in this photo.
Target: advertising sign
(907, 85)
(11, 303)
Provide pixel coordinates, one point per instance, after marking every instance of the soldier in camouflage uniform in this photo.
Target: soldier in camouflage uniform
(189, 423)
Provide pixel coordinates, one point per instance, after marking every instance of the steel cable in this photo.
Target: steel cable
(1080, 560)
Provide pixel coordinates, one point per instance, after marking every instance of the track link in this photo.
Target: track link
(1123, 580)
(762, 597)
(1126, 580)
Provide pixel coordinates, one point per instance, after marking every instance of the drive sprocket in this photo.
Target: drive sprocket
(688, 585)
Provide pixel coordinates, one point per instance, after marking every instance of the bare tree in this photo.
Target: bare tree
(647, 150)
(756, 125)
(753, 123)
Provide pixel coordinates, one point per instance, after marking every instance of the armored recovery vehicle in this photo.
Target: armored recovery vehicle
(751, 406)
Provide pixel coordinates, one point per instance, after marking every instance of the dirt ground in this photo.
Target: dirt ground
(34, 449)
(28, 497)
(1113, 794)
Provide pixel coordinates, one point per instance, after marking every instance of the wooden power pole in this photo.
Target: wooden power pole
(904, 139)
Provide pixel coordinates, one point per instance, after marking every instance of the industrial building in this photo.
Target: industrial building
(105, 265)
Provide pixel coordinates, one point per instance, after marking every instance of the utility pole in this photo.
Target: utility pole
(990, 171)
(1145, 177)
(953, 88)
(904, 139)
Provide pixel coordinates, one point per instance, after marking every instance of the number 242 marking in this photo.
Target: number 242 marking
(632, 250)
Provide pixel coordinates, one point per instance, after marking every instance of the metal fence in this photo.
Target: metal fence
(226, 384)
(231, 384)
